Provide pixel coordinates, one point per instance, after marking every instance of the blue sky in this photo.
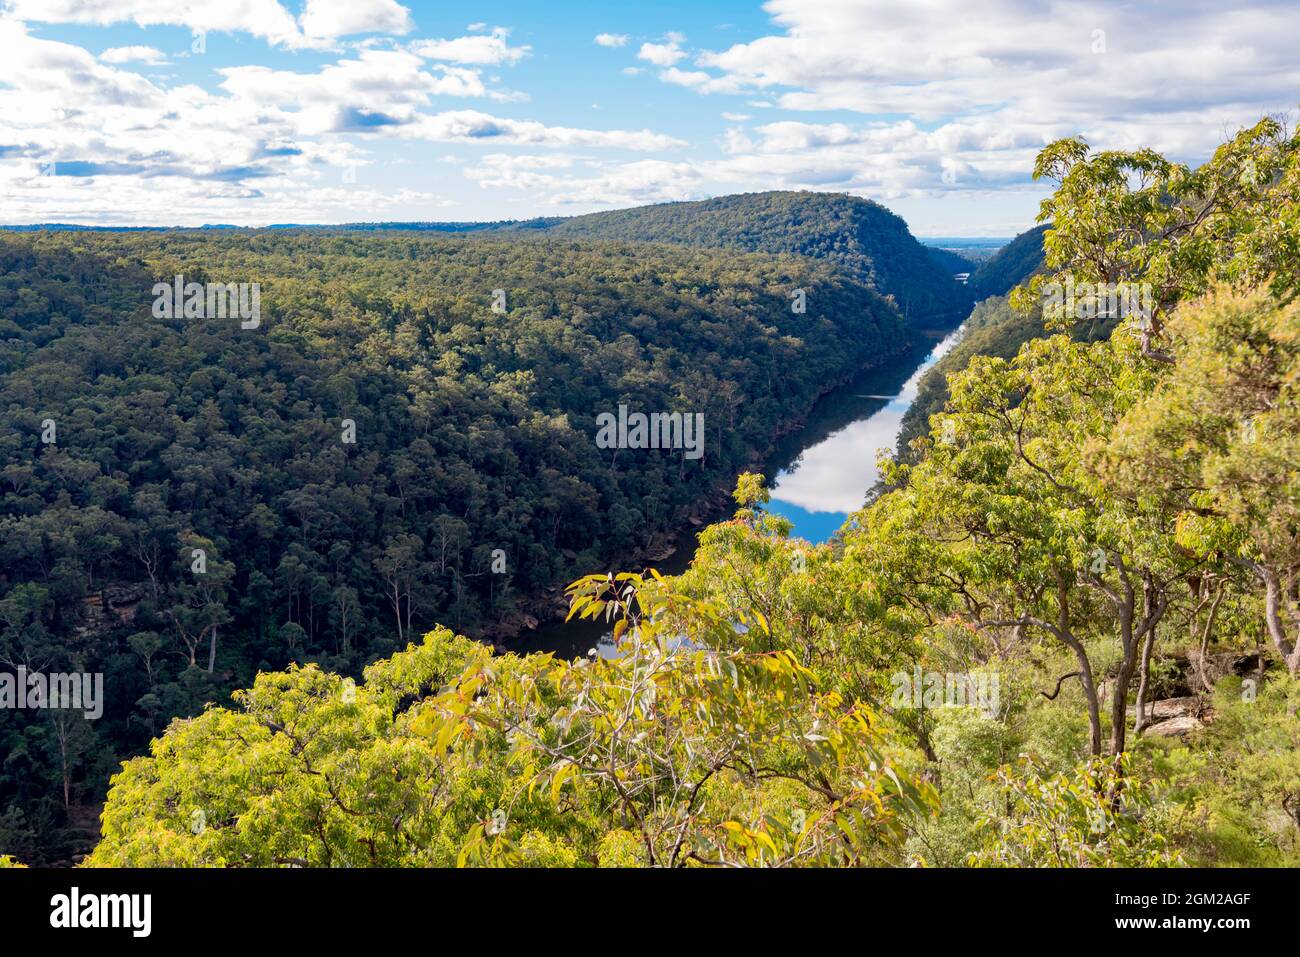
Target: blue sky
(261, 111)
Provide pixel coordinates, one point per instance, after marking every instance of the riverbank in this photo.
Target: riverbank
(864, 393)
(537, 622)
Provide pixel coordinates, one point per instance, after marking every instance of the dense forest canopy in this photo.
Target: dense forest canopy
(859, 237)
(1100, 528)
(471, 491)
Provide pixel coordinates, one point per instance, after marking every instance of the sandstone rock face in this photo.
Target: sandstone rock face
(1174, 707)
(111, 607)
(1174, 727)
(1171, 717)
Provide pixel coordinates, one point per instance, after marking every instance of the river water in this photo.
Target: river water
(822, 472)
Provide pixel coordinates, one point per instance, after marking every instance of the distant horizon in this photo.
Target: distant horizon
(14, 227)
(398, 223)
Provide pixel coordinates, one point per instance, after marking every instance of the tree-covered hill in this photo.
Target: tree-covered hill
(1009, 266)
(1067, 636)
(382, 452)
(992, 329)
(861, 237)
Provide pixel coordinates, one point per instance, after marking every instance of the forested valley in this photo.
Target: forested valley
(1097, 525)
(470, 493)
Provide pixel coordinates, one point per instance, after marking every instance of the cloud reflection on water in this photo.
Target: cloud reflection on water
(834, 475)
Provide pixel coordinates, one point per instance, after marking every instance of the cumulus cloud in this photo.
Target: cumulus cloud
(952, 107)
(567, 180)
(471, 126)
(485, 49)
(700, 81)
(337, 18)
(85, 139)
(663, 54)
(380, 83)
(519, 171)
(322, 21)
(181, 202)
(1088, 65)
(886, 98)
(138, 54)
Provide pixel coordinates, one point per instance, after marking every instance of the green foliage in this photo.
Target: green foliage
(1089, 511)
(1166, 451)
(312, 770)
(1218, 437)
(665, 756)
(861, 238)
(1138, 217)
(1237, 782)
(475, 432)
(992, 329)
(1097, 816)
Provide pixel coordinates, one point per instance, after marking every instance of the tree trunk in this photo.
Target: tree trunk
(397, 610)
(1119, 698)
(1140, 720)
(1273, 600)
(1209, 630)
(1085, 666)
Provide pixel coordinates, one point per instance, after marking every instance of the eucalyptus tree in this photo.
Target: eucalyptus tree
(1005, 527)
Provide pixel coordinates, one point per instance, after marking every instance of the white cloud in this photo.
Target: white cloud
(337, 18)
(632, 184)
(178, 202)
(904, 102)
(471, 126)
(663, 54)
(568, 181)
(264, 145)
(977, 100)
(146, 55)
(700, 81)
(1026, 62)
(488, 49)
(525, 171)
(377, 92)
(322, 20)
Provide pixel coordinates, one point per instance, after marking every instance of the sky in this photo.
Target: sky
(185, 112)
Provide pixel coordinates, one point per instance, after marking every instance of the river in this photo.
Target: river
(822, 472)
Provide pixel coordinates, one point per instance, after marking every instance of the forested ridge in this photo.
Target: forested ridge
(860, 237)
(1009, 266)
(1095, 550)
(474, 444)
(993, 328)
